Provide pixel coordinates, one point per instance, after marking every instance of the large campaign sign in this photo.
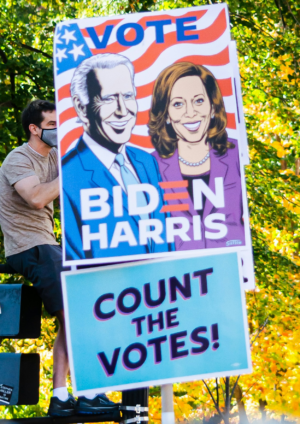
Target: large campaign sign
(156, 322)
(151, 146)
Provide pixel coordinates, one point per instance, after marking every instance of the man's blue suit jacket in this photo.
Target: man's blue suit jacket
(82, 170)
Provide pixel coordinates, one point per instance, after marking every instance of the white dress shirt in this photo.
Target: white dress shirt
(108, 158)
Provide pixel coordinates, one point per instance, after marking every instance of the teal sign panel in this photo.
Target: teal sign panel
(157, 322)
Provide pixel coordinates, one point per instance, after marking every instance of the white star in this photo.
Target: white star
(57, 39)
(68, 35)
(61, 54)
(77, 51)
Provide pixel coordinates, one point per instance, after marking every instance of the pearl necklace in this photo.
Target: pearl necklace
(194, 163)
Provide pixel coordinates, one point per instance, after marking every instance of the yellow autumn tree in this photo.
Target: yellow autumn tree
(267, 36)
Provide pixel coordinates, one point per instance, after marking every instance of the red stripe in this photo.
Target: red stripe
(142, 118)
(69, 138)
(218, 59)
(206, 35)
(231, 121)
(64, 92)
(225, 87)
(142, 141)
(112, 48)
(145, 90)
(175, 208)
(173, 184)
(176, 196)
(67, 114)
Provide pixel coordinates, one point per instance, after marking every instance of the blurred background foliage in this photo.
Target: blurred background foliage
(267, 35)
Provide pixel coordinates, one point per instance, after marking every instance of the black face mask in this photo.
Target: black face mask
(49, 137)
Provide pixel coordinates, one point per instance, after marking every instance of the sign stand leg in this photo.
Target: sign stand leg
(167, 410)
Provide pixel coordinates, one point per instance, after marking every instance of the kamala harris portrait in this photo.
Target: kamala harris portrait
(188, 131)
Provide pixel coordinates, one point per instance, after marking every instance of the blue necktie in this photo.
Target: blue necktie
(129, 178)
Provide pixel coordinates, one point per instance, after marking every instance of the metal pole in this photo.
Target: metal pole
(167, 406)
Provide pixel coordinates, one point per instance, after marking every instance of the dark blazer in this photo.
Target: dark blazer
(82, 170)
(226, 166)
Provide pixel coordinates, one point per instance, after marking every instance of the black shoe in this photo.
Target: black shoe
(99, 405)
(59, 408)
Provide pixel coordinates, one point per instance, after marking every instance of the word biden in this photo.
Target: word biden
(96, 205)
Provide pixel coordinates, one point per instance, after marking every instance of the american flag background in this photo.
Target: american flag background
(73, 44)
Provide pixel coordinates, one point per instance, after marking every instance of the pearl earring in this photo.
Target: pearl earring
(168, 121)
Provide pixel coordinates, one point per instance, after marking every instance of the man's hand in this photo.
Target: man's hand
(37, 195)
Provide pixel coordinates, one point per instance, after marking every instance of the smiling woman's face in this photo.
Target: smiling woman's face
(190, 110)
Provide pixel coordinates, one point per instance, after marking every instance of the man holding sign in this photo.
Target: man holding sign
(29, 184)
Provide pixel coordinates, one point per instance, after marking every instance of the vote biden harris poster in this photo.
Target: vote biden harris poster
(150, 148)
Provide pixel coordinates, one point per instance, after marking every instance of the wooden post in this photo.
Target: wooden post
(297, 166)
(283, 164)
(227, 400)
(167, 406)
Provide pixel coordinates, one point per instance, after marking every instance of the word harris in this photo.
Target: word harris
(95, 206)
(106, 307)
(181, 31)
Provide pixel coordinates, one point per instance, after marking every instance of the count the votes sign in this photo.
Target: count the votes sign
(154, 323)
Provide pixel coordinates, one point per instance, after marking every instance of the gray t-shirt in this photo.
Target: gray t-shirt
(24, 227)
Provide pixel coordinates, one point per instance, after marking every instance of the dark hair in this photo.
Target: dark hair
(33, 114)
(163, 136)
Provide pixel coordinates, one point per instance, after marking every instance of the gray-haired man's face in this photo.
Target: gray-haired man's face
(112, 109)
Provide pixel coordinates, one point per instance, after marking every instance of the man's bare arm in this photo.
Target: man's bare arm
(35, 193)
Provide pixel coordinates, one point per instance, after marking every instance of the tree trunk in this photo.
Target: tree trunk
(238, 394)
(227, 400)
(297, 166)
(283, 164)
(262, 408)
